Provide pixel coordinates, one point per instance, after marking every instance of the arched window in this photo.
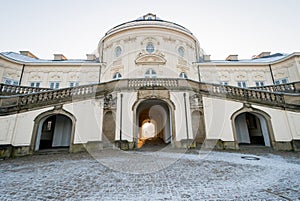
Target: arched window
(150, 73)
(183, 75)
(117, 75)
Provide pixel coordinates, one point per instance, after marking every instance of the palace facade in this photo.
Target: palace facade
(149, 81)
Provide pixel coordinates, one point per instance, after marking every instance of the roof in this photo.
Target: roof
(266, 59)
(25, 59)
(148, 19)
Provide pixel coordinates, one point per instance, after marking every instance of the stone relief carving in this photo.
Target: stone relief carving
(161, 94)
(110, 101)
(144, 58)
(196, 101)
(150, 39)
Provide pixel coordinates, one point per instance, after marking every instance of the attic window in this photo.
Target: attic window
(149, 17)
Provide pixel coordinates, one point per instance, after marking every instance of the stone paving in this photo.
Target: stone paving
(118, 175)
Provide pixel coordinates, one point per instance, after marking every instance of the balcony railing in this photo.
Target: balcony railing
(25, 101)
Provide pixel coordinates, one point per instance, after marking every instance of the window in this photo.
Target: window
(10, 81)
(183, 75)
(224, 82)
(74, 84)
(117, 76)
(150, 73)
(181, 51)
(282, 81)
(35, 84)
(242, 84)
(259, 83)
(54, 85)
(118, 51)
(150, 48)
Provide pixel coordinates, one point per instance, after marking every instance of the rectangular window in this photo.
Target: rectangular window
(54, 85)
(35, 84)
(224, 82)
(259, 83)
(282, 81)
(74, 84)
(242, 84)
(10, 81)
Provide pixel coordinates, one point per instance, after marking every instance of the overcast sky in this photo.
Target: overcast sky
(223, 27)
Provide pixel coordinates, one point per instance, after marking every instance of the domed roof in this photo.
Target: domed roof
(148, 19)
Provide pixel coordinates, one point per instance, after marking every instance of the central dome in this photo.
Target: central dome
(146, 20)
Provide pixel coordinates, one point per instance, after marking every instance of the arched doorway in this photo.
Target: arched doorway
(54, 131)
(109, 128)
(198, 126)
(252, 129)
(153, 123)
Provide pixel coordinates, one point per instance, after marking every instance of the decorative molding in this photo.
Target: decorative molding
(150, 39)
(169, 39)
(110, 101)
(160, 94)
(149, 59)
(130, 39)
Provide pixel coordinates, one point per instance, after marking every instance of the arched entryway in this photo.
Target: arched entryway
(53, 130)
(153, 122)
(109, 128)
(253, 128)
(198, 126)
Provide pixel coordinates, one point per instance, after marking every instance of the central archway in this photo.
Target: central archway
(153, 122)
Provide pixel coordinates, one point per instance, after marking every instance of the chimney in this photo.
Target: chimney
(59, 57)
(90, 57)
(28, 54)
(206, 57)
(232, 57)
(263, 54)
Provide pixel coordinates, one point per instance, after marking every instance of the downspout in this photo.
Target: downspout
(121, 119)
(22, 72)
(99, 73)
(199, 77)
(270, 67)
(186, 122)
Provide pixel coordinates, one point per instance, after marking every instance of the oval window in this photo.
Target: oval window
(118, 51)
(150, 48)
(181, 51)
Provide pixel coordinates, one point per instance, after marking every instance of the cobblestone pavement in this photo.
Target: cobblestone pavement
(168, 176)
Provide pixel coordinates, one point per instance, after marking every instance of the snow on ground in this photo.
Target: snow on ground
(154, 176)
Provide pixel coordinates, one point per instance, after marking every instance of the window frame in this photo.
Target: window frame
(55, 85)
(152, 73)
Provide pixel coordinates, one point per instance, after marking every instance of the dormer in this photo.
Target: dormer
(59, 57)
(232, 57)
(28, 54)
(261, 55)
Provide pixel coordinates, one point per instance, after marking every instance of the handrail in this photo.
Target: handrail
(293, 87)
(24, 102)
(6, 89)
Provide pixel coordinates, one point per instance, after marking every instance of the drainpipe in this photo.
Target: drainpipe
(199, 77)
(121, 119)
(270, 67)
(99, 74)
(22, 72)
(186, 122)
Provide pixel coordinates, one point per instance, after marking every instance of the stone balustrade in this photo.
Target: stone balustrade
(293, 87)
(23, 102)
(6, 89)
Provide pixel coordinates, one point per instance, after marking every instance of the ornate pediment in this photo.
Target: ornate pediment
(149, 59)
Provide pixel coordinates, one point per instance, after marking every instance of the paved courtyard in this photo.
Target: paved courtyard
(145, 175)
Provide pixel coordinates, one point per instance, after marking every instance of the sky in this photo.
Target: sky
(223, 27)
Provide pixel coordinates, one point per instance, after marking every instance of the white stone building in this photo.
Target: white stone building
(150, 80)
